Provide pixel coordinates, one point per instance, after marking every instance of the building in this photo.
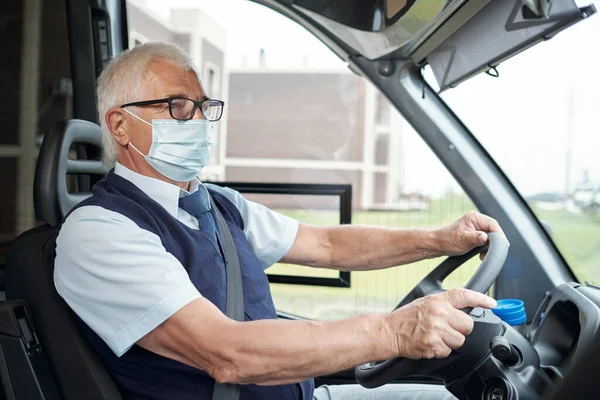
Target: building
(279, 131)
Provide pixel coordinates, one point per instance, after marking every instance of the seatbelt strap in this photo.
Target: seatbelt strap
(234, 305)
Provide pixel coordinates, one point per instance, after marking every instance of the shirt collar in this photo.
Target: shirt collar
(164, 193)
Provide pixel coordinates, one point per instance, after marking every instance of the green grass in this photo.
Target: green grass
(577, 236)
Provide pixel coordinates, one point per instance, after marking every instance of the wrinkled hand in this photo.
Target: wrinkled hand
(432, 326)
(466, 233)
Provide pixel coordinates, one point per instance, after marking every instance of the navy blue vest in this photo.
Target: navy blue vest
(141, 374)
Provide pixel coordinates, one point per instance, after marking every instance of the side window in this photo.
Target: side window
(295, 114)
(35, 82)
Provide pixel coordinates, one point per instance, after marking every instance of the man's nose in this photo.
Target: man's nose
(198, 114)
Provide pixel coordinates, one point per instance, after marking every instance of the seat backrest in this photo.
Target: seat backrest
(78, 371)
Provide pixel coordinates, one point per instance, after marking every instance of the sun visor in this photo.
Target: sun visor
(500, 30)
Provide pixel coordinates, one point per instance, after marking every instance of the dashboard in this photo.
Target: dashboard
(564, 326)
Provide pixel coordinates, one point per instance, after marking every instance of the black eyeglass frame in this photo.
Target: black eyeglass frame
(169, 101)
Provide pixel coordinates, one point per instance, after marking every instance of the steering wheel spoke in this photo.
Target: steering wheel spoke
(423, 288)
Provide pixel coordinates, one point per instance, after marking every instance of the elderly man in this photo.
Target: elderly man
(140, 263)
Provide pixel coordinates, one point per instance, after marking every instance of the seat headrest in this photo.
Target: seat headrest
(52, 200)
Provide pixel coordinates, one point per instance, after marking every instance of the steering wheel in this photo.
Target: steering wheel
(377, 374)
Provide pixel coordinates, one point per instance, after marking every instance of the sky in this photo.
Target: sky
(545, 102)
(251, 27)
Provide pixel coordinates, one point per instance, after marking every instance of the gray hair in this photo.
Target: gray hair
(122, 81)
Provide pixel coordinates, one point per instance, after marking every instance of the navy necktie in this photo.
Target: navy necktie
(197, 204)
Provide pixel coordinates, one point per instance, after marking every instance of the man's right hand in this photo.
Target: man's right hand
(432, 326)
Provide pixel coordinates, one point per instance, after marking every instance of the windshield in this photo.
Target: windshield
(540, 121)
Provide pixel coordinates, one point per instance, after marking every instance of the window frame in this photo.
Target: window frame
(343, 191)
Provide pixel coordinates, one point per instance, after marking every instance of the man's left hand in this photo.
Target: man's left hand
(466, 233)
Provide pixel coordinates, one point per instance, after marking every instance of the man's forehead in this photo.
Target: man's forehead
(171, 80)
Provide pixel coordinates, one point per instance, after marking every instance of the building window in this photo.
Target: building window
(382, 149)
(211, 81)
(382, 110)
(135, 39)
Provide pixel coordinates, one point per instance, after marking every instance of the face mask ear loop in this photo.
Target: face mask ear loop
(135, 148)
(144, 121)
(133, 115)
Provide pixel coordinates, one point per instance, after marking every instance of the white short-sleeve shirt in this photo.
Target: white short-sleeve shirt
(120, 280)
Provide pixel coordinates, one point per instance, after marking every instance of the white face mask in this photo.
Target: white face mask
(180, 149)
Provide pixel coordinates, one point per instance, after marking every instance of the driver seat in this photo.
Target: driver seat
(75, 368)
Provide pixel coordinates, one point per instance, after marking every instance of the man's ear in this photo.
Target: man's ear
(118, 125)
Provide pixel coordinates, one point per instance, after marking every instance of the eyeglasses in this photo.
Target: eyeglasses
(183, 109)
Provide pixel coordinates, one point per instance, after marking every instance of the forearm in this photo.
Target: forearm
(271, 352)
(355, 247)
